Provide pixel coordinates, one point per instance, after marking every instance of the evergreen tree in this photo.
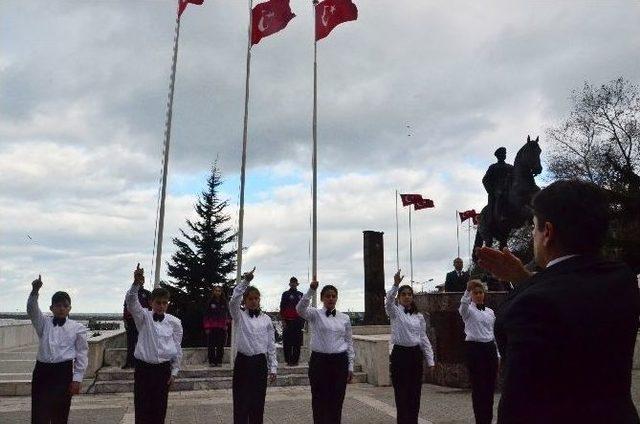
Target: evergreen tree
(202, 259)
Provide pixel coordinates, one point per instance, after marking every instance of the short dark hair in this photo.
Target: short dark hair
(248, 291)
(412, 308)
(293, 280)
(160, 292)
(326, 289)
(579, 212)
(59, 297)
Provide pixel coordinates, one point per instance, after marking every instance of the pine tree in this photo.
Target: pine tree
(202, 259)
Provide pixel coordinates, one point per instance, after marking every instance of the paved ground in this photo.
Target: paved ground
(364, 404)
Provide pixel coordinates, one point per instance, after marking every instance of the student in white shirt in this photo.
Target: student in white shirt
(481, 352)
(411, 348)
(158, 351)
(332, 355)
(256, 353)
(61, 361)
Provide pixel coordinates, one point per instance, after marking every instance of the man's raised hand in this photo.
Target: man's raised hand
(314, 285)
(503, 264)
(248, 276)
(36, 284)
(138, 275)
(397, 278)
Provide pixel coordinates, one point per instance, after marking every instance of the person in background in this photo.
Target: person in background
(215, 321)
(292, 324)
(456, 280)
(481, 353)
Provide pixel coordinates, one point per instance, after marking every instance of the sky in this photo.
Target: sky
(413, 96)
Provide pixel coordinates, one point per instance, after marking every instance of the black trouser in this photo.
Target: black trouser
(292, 340)
(249, 388)
(132, 340)
(150, 391)
(482, 361)
(50, 397)
(216, 339)
(406, 377)
(328, 374)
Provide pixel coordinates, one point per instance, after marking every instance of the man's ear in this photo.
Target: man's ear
(549, 233)
(51, 308)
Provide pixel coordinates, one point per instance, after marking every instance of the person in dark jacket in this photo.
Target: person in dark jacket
(457, 279)
(292, 324)
(214, 322)
(144, 297)
(567, 333)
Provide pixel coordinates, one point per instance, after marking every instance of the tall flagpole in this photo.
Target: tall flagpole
(410, 247)
(165, 166)
(469, 238)
(397, 236)
(244, 150)
(314, 161)
(458, 234)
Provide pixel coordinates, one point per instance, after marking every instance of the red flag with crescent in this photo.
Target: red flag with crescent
(410, 199)
(423, 204)
(182, 4)
(268, 18)
(468, 214)
(331, 13)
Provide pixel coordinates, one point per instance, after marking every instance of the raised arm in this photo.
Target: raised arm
(82, 351)
(238, 291)
(465, 301)
(425, 344)
(33, 310)
(177, 340)
(390, 299)
(303, 308)
(131, 299)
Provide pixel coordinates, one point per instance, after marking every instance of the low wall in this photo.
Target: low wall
(16, 335)
(372, 353)
(446, 333)
(636, 353)
(98, 345)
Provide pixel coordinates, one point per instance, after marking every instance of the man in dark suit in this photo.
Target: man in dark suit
(567, 333)
(457, 279)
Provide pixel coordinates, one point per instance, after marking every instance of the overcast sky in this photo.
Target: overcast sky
(83, 88)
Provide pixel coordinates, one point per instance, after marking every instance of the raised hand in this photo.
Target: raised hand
(36, 284)
(138, 275)
(314, 285)
(248, 276)
(397, 278)
(504, 265)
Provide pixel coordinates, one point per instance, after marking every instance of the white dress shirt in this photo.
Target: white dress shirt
(158, 341)
(329, 334)
(254, 336)
(407, 330)
(59, 343)
(478, 325)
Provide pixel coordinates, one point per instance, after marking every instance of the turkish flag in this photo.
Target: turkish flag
(468, 214)
(182, 4)
(423, 204)
(268, 18)
(331, 13)
(410, 199)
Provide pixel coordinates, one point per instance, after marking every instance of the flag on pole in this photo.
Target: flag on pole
(423, 204)
(468, 214)
(268, 18)
(182, 4)
(331, 13)
(410, 199)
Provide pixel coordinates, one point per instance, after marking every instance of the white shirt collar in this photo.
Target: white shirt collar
(560, 259)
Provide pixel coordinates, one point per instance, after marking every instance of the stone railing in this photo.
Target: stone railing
(372, 353)
(16, 335)
(98, 345)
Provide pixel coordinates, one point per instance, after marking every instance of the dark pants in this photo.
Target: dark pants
(249, 388)
(132, 340)
(328, 374)
(482, 361)
(50, 398)
(150, 391)
(216, 340)
(292, 340)
(406, 377)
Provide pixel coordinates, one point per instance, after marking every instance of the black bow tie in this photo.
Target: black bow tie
(480, 307)
(59, 321)
(407, 310)
(158, 317)
(331, 313)
(254, 313)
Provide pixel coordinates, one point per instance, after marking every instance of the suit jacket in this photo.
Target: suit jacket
(567, 337)
(453, 283)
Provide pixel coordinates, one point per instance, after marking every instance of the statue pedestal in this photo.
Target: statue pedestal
(446, 333)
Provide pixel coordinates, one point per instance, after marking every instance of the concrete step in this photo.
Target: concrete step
(21, 386)
(115, 357)
(187, 384)
(195, 371)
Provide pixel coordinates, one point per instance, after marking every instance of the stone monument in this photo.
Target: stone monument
(374, 279)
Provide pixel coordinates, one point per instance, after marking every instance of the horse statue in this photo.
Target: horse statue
(516, 211)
